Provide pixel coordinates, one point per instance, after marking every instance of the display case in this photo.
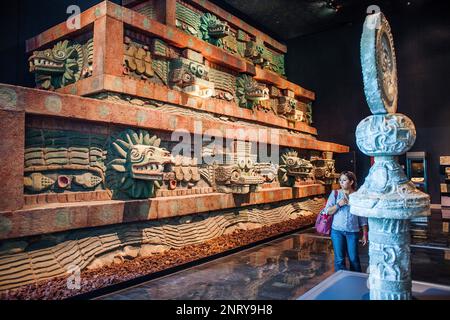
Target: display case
(416, 168)
(444, 168)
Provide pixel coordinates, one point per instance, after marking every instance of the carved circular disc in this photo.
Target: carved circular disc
(379, 65)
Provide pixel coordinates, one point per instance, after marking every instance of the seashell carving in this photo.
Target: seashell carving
(37, 182)
(87, 180)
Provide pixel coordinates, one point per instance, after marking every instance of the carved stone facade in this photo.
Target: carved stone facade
(136, 164)
(131, 164)
(238, 172)
(212, 29)
(138, 60)
(22, 263)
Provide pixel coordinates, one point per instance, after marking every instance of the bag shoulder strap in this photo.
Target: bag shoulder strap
(335, 195)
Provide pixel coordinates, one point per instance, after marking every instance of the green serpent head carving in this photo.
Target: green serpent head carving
(138, 163)
(64, 64)
(249, 92)
(212, 29)
(293, 167)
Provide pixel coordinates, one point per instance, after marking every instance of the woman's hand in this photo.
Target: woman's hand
(343, 202)
(365, 238)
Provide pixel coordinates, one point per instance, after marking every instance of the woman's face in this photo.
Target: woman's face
(345, 182)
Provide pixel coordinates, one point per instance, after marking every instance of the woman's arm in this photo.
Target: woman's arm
(334, 208)
(365, 238)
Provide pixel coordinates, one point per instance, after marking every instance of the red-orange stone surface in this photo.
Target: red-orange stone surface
(75, 107)
(169, 33)
(12, 128)
(150, 90)
(49, 218)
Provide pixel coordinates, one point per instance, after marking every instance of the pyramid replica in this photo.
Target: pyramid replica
(154, 127)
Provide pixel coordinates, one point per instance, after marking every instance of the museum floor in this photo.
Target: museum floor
(288, 267)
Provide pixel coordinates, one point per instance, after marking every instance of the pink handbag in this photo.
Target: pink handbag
(324, 221)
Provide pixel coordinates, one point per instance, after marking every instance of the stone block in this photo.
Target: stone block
(193, 55)
(289, 93)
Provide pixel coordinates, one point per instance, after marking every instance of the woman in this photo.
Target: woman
(345, 227)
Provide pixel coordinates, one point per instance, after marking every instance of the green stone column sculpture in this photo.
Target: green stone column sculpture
(387, 197)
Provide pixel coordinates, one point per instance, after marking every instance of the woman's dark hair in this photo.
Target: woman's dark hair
(352, 177)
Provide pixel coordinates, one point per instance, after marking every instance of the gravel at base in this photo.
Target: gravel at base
(56, 288)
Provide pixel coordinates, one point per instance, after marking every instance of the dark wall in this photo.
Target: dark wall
(329, 64)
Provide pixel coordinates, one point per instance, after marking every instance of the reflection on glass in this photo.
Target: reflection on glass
(288, 267)
(285, 269)
(417, 169)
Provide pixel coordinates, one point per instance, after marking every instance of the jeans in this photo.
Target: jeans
(345, 243)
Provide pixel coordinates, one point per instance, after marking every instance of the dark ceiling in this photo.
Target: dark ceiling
(288, 19)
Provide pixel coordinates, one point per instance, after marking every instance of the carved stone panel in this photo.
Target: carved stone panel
(63, 64)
